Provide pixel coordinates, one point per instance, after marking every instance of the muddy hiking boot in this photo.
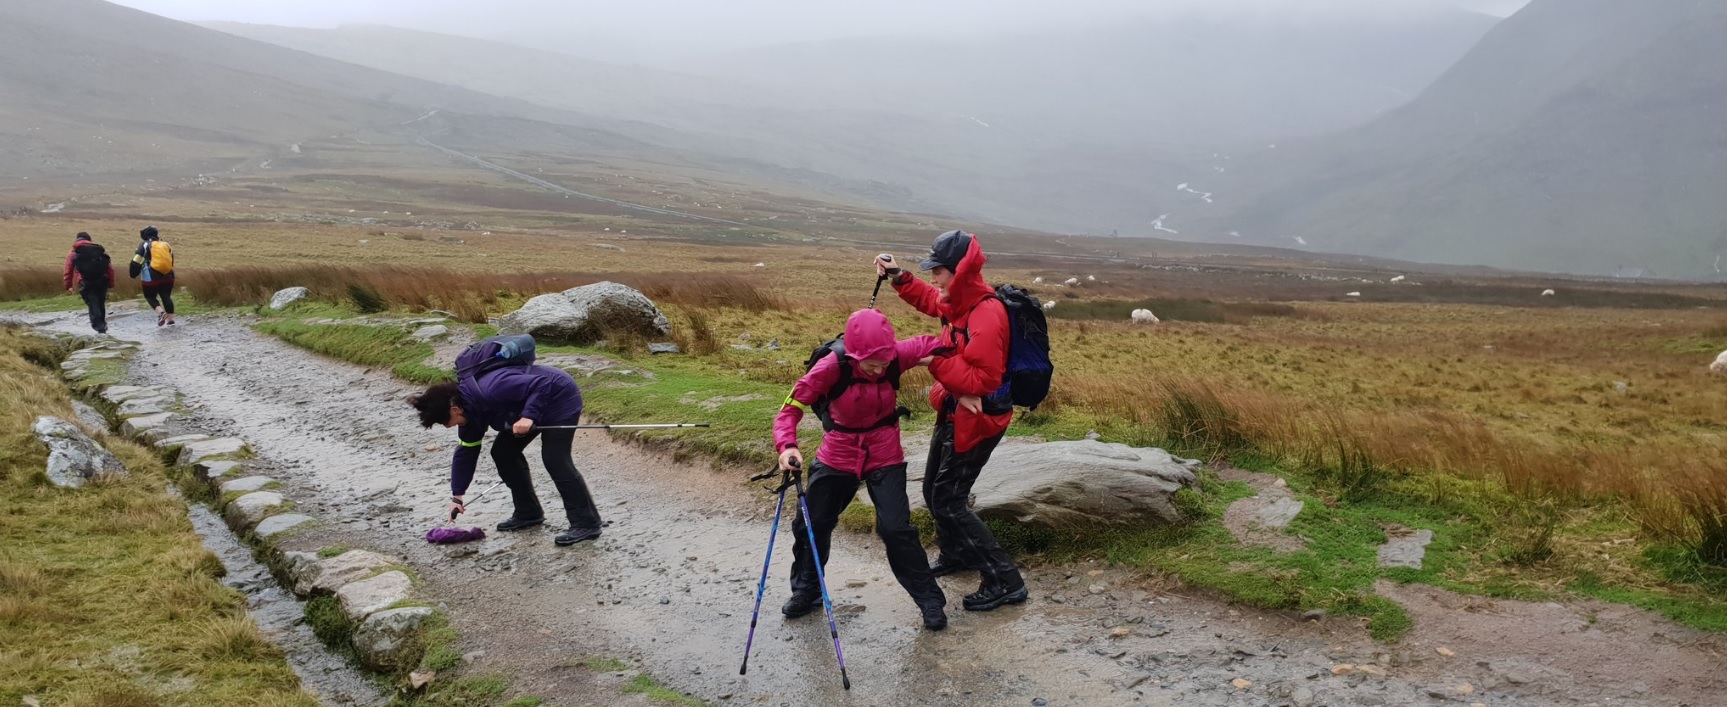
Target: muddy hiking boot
(800, 605)
(513, 523)
(934, 617)
(576, 535)
(944, 566)
(990, 597)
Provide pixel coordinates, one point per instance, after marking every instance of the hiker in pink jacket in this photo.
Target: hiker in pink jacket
(855, 392)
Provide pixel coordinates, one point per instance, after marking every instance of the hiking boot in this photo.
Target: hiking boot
(800, 604)
(514, 523)
(990, 597)
(576, 535)
(944, 566)
(934, 618)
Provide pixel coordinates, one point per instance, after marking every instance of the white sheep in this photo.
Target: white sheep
(1144, 316)
(1071, 281)
(761, 265)
(1547, 293)
(1353, 294)
(1720, 364)
(1049, 305)
(1037, 281)
(1399, 278)
(1091, 278)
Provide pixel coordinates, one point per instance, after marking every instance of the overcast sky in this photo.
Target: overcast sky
(695, 25)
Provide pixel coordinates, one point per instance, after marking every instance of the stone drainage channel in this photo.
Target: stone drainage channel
(246, 508)
(669, 586)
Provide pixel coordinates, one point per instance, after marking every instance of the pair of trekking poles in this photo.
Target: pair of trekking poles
(790, 479)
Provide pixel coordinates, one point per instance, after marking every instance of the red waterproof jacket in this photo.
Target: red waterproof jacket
(976, 332)
(70, 277)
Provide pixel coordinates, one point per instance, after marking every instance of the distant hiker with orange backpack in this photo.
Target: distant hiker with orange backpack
(995, 356)
(90, 273)
(153, 263)
(853, 387)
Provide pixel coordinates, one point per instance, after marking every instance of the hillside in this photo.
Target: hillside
(1586, 136)
(1066, 131)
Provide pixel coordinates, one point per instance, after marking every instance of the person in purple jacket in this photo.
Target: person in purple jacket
(860, 446)
(516, 401)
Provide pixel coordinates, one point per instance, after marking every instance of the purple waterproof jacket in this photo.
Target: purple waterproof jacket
(546, 395)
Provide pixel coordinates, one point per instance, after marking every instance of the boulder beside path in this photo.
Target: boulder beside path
(586, 315)
(73, 458)
(1059, 485)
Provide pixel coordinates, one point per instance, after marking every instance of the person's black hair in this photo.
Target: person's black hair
(82, 236)
(434, 404)
(149, 233)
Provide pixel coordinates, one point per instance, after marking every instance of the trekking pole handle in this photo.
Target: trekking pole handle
(475, 499)
(887, 259)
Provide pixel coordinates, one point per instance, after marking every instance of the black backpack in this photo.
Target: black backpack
(92, 263)
(837, 347)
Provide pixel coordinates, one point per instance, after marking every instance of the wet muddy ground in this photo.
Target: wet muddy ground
(669, 587)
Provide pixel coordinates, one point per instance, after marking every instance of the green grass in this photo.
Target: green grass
(106, 589)
(60, 303)
(646, 685)
(371, 346)
(606, 665)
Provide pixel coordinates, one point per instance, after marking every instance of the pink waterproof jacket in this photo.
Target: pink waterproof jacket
(869, 335)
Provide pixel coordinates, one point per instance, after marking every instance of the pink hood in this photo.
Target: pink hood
(869, 335)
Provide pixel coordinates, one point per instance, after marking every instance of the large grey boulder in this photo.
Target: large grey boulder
(73, 458)
(1061, 485)
(287, 297)
(585, 315)
(278, 524)
(370, 596)
(388, 639)
(247, 484)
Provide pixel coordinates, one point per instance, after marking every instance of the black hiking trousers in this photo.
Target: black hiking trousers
(160, 296)
(96, 299)
(828, 493)
(961, 535)
(508, 454)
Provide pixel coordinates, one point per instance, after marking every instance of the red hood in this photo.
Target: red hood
(968, 287)
(869, 335)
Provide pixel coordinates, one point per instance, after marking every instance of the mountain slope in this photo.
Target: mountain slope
(1581, 135)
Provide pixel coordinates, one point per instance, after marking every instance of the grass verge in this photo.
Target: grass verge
(107, 594)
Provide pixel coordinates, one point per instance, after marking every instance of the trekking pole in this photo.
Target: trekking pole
(891, 272)
(762, 587)
(476, 499)
(668, 426)
(821, 574)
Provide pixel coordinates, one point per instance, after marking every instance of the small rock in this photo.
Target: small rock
(1097, 588)
(278, 524)
(1039, 702)
(32, 701)
(1302, 697)
(1121, 632)
(855, 583)
(664, 348)
(283, 298)
(665, 600)
(1342, 669)
(199, 451)
(1094, 573)
(431, 448)
(473, 657)
(1370, 669)
(369, 596)
(1241, 684)
(249, 510)
(1465, 689)
(421, 678)
(1405, 551)
(430, 332)
(387, 639)
(1314, 615)
(1447, 652)
(247, 485)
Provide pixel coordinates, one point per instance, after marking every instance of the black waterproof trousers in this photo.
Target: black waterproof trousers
(160, 296)
(828, 493)
(961, 535)
(507, 453)
(96, 299)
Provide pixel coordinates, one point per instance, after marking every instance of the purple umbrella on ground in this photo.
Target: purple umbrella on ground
(449, 536)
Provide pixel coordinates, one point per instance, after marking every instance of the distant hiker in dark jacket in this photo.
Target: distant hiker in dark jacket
(90, 273)
(516, 401)
(153, 264)
(975, 336)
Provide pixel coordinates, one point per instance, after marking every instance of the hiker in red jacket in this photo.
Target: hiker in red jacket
(90, 273)
(975, 337)
(856, 393)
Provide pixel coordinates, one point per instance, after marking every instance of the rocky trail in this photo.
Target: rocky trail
(669, 587)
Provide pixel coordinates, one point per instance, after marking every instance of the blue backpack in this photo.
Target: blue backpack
(1029, 370)
(494, 353)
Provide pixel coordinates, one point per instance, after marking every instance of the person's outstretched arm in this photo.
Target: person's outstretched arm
(921, 295)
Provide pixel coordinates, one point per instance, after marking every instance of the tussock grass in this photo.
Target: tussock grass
(106, 588)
